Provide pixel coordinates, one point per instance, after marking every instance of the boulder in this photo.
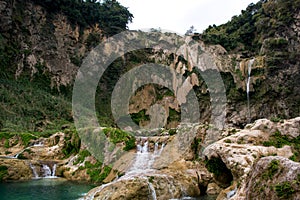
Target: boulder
(272, 177)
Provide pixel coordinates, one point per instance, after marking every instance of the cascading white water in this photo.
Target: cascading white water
(53, 170)
(144, 159)
(141, 166)
(152, 191)
(34, 171)
(250, 63)
(17, 155)
(46, 170)
(39, 144)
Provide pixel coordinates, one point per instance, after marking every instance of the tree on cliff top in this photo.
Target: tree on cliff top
(109, 14)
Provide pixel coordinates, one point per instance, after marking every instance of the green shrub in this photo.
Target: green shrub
(275, 119)
(227, 141)
(277, 140)
(273, 168)
(129, 144)
(81, 156)
(117, 136)
(140, 117)
(6, 143)
(96, 172)
(172, 131)
(216, 166)
(26, 137)
(72, 145)
(284, 190)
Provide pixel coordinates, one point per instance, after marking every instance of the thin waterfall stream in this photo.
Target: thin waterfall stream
(250, 64)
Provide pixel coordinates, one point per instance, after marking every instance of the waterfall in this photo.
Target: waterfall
(39, 144)
(141, 166)
(144, 158)
(152, 191)
(250, 63)
(46, 170)
(17, 155)
(34, 171)
(53, 170)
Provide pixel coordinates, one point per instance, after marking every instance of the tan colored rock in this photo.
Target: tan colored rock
(262, 181)
(213, 189)
(146, 186)
(17, 169)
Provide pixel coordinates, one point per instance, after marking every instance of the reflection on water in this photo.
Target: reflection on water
(43, 189)
(57, 189)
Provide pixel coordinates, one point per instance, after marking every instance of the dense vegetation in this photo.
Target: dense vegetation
(31, 103)
(278, 140)
(247, 32)
(109, 14)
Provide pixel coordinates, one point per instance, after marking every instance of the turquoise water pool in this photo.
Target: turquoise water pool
(43, 189)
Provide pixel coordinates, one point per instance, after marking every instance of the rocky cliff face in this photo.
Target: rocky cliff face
(47, 48)
(46, 45)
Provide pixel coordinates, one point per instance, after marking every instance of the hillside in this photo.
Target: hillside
(42, 44)
(235, 88)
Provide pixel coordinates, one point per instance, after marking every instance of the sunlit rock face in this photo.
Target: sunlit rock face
(272, 177)
(243, 152)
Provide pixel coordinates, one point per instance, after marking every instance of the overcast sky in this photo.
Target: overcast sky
(178, 16)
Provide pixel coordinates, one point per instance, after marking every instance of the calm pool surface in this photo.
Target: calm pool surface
(56, 189)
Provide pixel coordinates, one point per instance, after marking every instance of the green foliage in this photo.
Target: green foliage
(139, 117)
(173, 115)
(273, 168)
(216, 166)
(195, 146)
(227, 141)
(110, 14)
(277, 140)
(246, 32)
(172, 131)
(275, 119)
(81, 156)
(163, 92)
(26, 137)
(3, 172)
(129, 144)
(96, 172)
(150, 179)
(116, 135)
(93, 40)
(6, 143)
(28, 106)
(284, 190)
(72, 144)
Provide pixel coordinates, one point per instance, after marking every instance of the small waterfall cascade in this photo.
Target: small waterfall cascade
(43, 170)
(46, 170)
(53, 170)
(152, 191)
(250, 64)
(34, 171)
(145, 158)
(17, 155)
(38, 144)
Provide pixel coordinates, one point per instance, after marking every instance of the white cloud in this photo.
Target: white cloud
(178, 16)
